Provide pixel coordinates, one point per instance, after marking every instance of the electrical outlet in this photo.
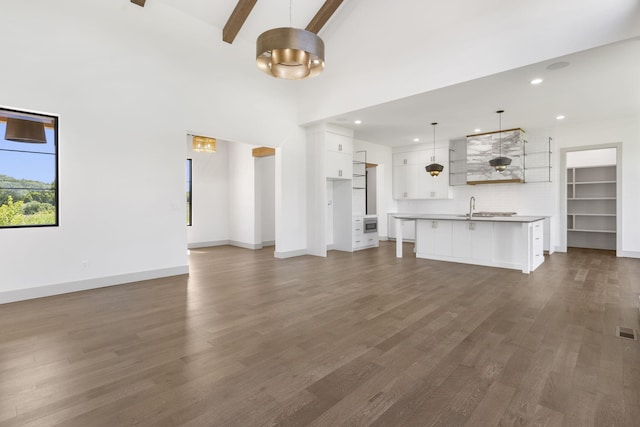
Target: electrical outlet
(84, 265)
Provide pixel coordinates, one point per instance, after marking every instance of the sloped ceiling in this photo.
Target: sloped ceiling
(401, 66)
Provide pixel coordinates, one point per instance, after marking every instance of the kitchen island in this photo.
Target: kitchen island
(514, 242)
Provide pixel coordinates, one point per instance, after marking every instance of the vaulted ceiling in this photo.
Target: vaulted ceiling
(600, 83)
(252, 17)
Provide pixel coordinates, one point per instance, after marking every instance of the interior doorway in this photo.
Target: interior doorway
(592, 197)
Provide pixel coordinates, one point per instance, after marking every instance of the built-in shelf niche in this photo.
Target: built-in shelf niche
(591, 207)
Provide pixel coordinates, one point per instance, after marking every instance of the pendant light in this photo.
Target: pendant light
(500, 163)
(22, 130)
(290, 53)
(434, 168)
(203, 144)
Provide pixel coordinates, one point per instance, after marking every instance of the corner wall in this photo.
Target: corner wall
(123, 81)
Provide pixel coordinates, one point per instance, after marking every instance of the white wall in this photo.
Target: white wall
(210, 192)
(242, 196)
(266, 199)
(291, 195)
(627, 131)
(128, 83)
(596, 157)
(429, 45)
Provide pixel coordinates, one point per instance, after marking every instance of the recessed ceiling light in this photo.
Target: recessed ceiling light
(560, 117)
(416, 139)
(357, 122)
(536, 81)
(558, 65)
(477, 130)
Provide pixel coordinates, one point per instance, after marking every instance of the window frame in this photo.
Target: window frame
(56, 155)
(190, 192)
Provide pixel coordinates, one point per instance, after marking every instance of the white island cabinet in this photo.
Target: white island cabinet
(514, 242)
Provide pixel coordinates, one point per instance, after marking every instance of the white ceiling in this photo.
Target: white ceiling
(266, 14)
(598, 84)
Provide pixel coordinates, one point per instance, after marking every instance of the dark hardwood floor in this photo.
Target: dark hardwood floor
(353, 339)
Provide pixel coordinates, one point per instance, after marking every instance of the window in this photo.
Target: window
(189, 192)
(28, 169)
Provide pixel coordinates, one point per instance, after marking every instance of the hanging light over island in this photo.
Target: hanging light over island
(434, 168)
(500, 163)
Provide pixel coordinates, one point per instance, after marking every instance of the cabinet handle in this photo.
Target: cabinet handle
(340, 172)
(404, 161)
(405, 194)
(434, 224)
(339, 147)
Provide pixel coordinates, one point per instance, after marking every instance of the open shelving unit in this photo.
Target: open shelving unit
(537, 159)
(591, 207)
(360, 170)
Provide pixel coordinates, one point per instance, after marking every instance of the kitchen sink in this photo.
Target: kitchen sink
(492, 214)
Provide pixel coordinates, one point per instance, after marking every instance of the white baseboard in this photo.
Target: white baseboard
(197, 245)
(268, 243)
(83, 285)
(230, 243)
(631, 254)
(290, 254)
(245, 245)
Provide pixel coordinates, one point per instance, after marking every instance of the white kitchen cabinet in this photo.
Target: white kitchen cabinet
(339, 162)
(339, 165)
(537, 247)
(412, 181)
(339, 143)
(361, 239)
(515, 243)
(437, 238)
(409, 182)
(472, 239)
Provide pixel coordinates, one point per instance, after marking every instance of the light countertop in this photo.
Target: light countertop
(462, 217)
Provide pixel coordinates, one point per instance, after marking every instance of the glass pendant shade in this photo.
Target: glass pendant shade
(202, 144)
(20, 130)
(500, 163)
(290, 53)
(434, 168)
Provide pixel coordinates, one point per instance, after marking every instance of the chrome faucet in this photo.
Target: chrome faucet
(472, 206)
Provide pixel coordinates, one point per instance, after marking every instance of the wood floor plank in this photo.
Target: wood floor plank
(358, 338)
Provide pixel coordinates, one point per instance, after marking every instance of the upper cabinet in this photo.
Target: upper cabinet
(412, 181)
(339, 164)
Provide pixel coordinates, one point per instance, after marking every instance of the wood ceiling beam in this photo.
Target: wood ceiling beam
(139, 2)
(323, 15)
(237, 19)
(263, 152)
